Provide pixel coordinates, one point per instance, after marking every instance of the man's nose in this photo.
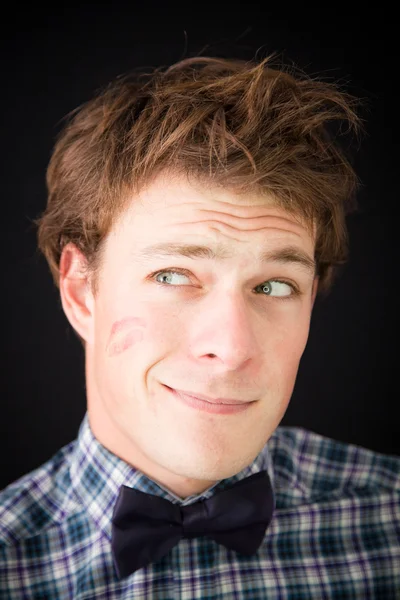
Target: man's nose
(226, 331)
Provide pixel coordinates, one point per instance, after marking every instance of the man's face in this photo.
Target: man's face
(231, 327)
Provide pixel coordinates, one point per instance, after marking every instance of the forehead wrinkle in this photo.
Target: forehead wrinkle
(221, 226)
(248, 223)
(235, 215)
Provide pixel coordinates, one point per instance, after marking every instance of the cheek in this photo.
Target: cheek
(156, 330)
(125, 342)
(289, 347)
(124, 334)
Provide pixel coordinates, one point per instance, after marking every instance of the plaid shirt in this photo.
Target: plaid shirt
(335, 532)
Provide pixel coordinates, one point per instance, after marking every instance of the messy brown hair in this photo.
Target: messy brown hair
(243, 125)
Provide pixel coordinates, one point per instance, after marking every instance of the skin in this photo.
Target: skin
(213, 331)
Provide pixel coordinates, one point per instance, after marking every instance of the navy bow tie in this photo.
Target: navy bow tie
(146, 527)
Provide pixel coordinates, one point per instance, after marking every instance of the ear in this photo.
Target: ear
(76, 296)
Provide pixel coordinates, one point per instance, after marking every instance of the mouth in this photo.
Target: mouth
(212, 405)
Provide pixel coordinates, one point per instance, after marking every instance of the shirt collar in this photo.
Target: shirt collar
(97, 475)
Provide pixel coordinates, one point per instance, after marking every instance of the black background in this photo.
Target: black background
(54, 59)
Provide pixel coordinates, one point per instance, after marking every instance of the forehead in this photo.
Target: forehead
(174, 209)
(172, 195)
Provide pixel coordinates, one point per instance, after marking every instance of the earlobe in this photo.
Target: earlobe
(75, 291)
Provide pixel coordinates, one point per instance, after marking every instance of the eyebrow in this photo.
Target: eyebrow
(288, 254)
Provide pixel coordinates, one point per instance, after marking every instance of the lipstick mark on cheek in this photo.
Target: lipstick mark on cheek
(126, 342)
(124, 334)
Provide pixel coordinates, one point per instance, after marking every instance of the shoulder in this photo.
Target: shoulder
(310, 467)
(37, 501)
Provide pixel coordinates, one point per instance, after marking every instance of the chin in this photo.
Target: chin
(212, 467)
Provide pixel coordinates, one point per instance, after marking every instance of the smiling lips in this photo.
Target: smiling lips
(230, 401)
(221, 406)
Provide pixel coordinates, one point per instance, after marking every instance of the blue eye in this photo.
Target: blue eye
(166, 277)
(272, 287)
(278, 288)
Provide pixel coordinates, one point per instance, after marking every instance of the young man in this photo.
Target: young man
(193, 215)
